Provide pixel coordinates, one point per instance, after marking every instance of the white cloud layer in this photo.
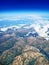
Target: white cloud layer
(41, 24)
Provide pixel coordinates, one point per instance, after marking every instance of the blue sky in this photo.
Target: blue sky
(24, 5)
(12, 9)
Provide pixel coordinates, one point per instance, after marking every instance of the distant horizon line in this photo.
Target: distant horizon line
(25, 13)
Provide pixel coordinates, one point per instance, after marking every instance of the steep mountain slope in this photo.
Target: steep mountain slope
(23, 46)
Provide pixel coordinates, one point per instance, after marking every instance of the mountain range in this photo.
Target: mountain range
(25, 43)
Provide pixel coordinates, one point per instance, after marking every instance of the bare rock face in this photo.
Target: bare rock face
(30, 58)
(19, 49)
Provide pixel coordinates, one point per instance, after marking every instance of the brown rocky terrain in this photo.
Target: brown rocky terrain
(18, 49)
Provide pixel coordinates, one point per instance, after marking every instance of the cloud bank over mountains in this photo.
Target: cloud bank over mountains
(39, 23)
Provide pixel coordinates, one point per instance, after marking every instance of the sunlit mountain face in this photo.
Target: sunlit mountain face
(24, 32)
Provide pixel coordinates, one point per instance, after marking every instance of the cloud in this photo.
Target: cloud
(40, 24)
(3, 29)
(10, 18)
